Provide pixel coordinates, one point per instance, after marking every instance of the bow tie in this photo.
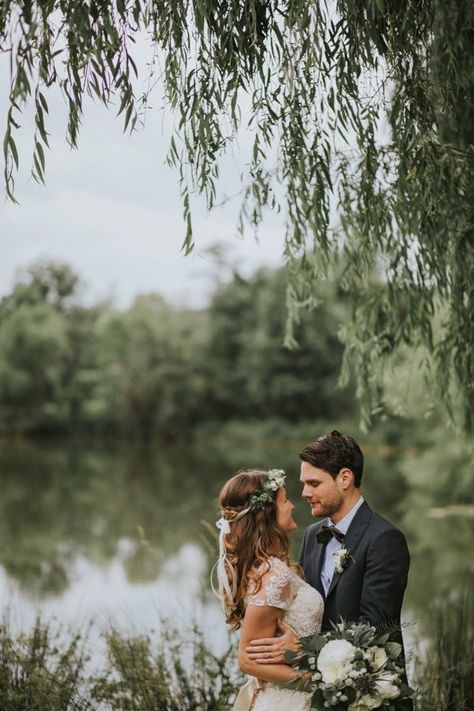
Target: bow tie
(325, 534)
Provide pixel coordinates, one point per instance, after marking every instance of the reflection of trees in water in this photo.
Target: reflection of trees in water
(442, 563)
(62, 501)
(41, 509)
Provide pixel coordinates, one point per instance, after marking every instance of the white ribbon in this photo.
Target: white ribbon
(226, 575)
(224, 525)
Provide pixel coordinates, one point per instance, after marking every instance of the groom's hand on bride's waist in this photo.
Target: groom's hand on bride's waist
(271, 650)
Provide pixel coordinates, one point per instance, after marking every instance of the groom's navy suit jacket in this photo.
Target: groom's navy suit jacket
(371, 586)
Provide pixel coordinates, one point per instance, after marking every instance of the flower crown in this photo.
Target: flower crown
(266, 495)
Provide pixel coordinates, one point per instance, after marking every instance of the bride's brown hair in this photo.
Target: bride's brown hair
(252, 539)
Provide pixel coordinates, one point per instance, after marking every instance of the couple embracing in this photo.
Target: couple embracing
(353, 565)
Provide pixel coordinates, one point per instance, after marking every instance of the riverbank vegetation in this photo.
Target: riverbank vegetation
(179, 671)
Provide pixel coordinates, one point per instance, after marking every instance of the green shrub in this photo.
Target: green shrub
(44, 670)
(178, 674)
(38, 672)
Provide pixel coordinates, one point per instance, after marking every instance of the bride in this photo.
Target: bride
(260, 588)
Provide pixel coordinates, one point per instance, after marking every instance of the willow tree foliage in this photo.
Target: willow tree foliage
(362, 124)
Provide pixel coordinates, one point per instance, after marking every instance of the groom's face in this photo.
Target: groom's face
(320, 490)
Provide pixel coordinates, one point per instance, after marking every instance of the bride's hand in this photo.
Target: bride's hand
(271, 650)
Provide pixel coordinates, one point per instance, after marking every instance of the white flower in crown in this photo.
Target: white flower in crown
(266, 495)
(276, 478)
(341, 558)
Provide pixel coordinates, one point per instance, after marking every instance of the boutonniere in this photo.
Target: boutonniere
(341, 558)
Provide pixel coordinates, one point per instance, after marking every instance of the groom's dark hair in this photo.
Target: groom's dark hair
(333, 452)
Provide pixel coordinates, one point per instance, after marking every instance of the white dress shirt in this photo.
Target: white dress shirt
(327, 569)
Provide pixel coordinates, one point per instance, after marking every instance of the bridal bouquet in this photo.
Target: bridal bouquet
(353, 668)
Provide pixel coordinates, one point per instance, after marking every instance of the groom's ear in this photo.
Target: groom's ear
(347, 477)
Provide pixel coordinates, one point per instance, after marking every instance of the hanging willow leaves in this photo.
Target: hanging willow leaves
(362, 121)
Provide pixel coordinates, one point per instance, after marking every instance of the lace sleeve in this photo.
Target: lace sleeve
(277, 588)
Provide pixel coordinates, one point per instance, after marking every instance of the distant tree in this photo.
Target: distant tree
(252, 375)
(44, 281)
(46, 351)
(149, 357)
(33, 348)
(367, 106)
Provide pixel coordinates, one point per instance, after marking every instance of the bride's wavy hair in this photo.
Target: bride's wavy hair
(252, 539)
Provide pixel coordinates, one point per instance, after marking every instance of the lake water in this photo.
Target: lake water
(126, 532)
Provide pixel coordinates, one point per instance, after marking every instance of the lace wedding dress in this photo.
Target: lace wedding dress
(304, 607)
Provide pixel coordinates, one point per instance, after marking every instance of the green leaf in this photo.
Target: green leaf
(313, 644)
(393, 649)
(13, 150)
(39, 149)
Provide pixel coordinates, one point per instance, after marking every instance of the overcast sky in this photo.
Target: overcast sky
(112, 211)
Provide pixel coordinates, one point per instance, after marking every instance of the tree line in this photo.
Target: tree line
(156, 369)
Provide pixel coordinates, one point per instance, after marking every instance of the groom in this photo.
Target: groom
(355, 558)
(369, 582)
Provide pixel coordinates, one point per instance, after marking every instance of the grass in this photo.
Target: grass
(46, 671)
(447, 676)
(179, 674)
(39, 671)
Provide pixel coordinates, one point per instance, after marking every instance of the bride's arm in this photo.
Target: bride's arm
(262, 621)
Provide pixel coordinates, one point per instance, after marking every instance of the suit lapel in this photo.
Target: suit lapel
(318, 563)
(315, 560)
(354, 534)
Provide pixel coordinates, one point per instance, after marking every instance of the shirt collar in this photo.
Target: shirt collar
(344, 523)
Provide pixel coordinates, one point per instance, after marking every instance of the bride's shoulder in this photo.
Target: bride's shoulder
(276, 566)
(278, 562)
(271, 562)
(273, 584)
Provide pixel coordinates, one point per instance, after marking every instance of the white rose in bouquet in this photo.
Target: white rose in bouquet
(334, 661)
(386, 685)
(378, 658)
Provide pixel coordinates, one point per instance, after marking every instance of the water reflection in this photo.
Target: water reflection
(101, 503)
(118, 530)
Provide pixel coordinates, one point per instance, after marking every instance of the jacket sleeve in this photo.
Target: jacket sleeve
(385, 579)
